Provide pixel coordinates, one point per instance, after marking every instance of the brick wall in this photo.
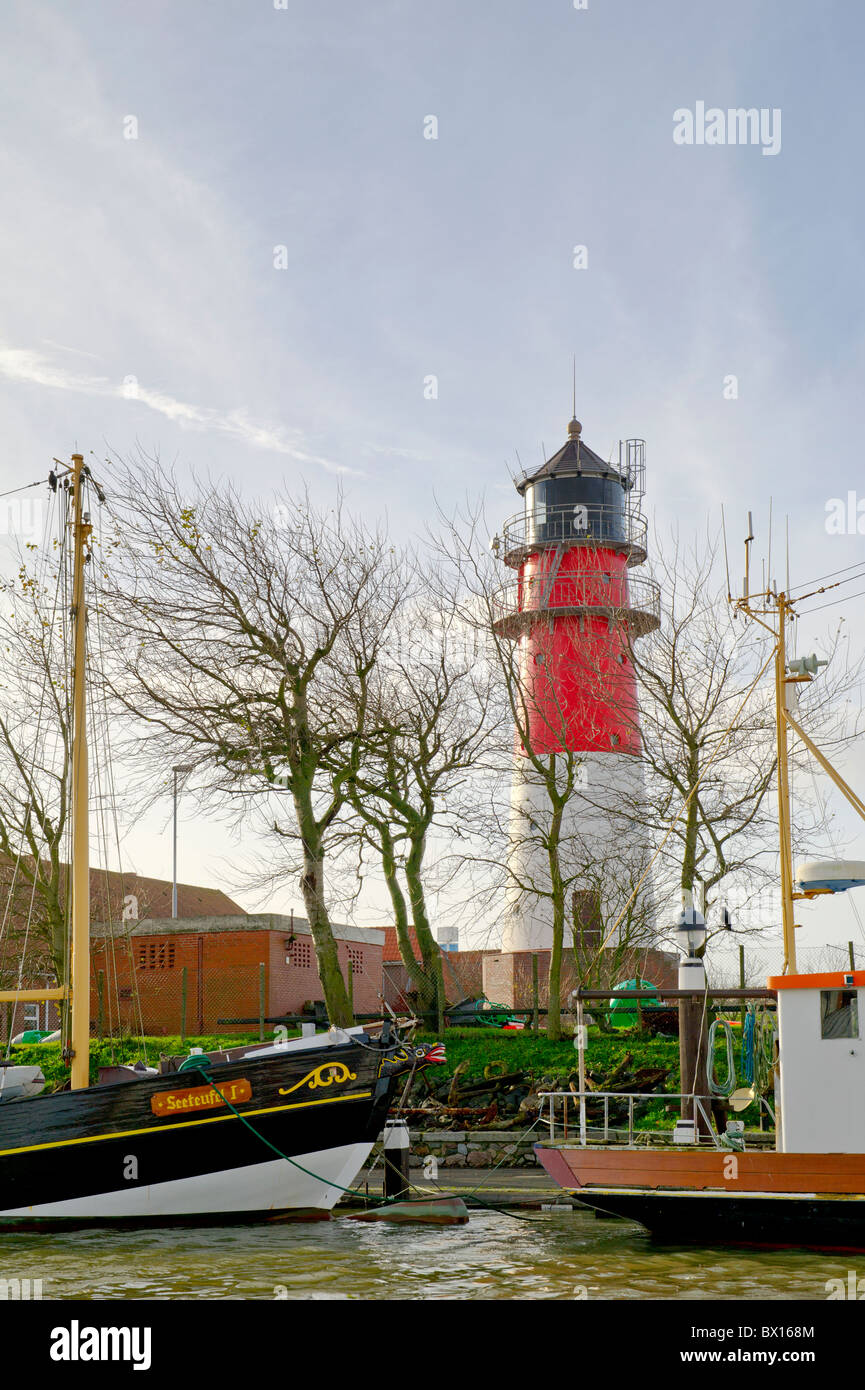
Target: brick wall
(223, 969)
(507, 976)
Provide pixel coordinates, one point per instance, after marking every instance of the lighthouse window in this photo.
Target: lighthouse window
(839, 1013)
(536, 511)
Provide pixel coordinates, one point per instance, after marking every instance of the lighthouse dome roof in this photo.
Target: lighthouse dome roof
(573, 459)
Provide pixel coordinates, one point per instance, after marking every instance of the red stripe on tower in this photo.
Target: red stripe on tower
(575, 607)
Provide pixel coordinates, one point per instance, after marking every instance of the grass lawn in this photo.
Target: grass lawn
(112, 1053)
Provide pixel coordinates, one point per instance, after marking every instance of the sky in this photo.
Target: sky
(228, 240)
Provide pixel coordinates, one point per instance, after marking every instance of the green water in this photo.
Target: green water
(558, 1255)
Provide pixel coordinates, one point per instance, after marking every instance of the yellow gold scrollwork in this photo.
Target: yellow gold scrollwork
(401, 1055)
(325, 1075)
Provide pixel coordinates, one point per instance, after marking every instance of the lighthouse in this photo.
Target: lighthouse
(573, 609)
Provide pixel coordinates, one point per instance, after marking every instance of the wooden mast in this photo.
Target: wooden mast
(80, 956)
(784, 826)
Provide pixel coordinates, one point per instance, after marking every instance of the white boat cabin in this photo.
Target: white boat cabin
(821, 1083)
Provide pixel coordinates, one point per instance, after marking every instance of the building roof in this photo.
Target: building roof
(391, 950)
(109, 888)
(574, 457)
(281, 922)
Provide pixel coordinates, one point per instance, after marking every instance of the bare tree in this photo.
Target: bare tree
(34, 758)
(708, 735)
(247, 635)
(432, 710)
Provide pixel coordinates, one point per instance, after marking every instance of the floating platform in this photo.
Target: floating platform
(432, 1211)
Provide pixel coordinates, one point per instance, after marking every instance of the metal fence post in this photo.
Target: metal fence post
(100, 1004)
(350, 990)
(261, 1003)
(535, 998)
(440, 1003)
(184, 1000)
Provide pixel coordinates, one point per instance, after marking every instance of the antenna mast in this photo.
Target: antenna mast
(79, 966)
(767, 603)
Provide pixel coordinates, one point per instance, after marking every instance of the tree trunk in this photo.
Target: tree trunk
(554, 1003)
(312, 887)
(429, 947)
(416, 973)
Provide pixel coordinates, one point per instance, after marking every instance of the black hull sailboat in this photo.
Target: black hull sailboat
(274, 1131)
(257, 1132)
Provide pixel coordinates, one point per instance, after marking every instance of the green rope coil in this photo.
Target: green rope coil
(728, 1085)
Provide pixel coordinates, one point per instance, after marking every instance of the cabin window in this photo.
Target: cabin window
(839, 1013)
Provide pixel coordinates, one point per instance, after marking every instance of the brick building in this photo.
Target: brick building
(505, 977)
(117, 897)
(206, 969)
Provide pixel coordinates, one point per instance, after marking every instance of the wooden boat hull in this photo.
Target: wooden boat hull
(169, 1147)
(710, 1197)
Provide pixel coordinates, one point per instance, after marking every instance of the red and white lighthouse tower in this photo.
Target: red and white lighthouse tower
(575, 608)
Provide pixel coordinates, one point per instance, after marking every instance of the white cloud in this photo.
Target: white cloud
(25, 365)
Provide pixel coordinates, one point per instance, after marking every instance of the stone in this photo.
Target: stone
(479, 1159)
(455, 1161)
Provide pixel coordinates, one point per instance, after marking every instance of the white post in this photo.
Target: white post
(581, 1056)
(174, 858)
(185, 769)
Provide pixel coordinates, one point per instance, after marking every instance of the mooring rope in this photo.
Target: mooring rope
(350, 1191)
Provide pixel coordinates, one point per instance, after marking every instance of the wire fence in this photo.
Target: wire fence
(756, 963)
(162, 996)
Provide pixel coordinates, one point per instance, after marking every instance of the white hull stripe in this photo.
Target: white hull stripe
(272, 1186)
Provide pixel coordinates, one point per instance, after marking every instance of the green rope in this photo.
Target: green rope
(728, 1085)
(351, 1191)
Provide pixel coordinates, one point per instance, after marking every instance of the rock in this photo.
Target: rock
(479, 1159)
(455, 1161)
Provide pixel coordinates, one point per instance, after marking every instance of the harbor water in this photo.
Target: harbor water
(565, 1255)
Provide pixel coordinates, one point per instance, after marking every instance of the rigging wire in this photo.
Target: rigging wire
(831, 575)
(39, 584)
(102, 720)
(844, 599)
(40, 482)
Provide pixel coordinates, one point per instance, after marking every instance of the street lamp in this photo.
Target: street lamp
(690, 934)
(182, 769)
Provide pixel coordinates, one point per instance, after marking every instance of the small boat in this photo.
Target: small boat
(255, 1132)
(810, 1189)
(427, 1211)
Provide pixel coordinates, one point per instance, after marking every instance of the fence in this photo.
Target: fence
(752, 965)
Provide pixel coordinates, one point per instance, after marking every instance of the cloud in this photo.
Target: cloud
(29, 366)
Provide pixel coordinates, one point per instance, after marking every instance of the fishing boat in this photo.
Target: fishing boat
(809, 1190)
(270, 1131)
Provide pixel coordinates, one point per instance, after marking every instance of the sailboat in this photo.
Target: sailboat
(269, 1131)
(809, 1190)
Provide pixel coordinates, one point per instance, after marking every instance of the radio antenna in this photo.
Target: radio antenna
(748, 541)
(726, 558)
(769, 557)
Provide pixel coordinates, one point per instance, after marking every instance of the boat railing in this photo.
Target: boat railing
(580, 1098)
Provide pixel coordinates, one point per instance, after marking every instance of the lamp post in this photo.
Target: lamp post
(690, 933)
(182, 769)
